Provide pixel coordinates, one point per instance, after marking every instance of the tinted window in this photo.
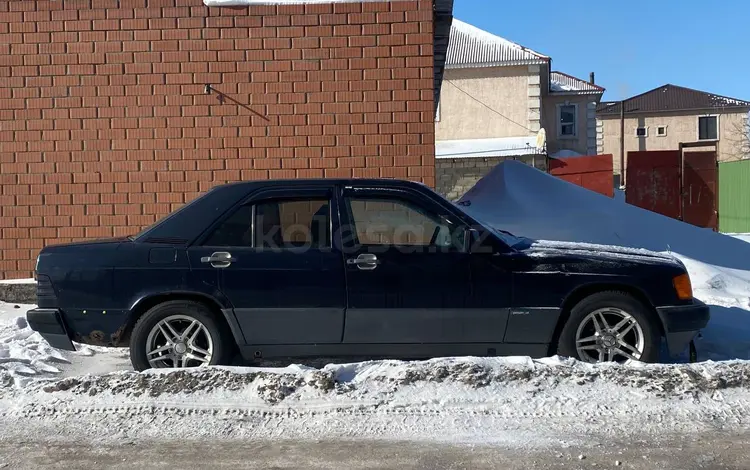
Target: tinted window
(287, 224)
(379, 221)
(568, 120)
(235, 231)
(278, 224)
(707, 128)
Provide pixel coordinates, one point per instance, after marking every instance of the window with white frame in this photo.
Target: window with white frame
(708, 127)
(567, 118)
(661, 131)
(641, 131)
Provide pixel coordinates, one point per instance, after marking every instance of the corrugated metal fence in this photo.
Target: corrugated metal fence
(734, 197)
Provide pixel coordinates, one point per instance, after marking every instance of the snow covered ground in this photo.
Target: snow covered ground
(94, 394)
(510, 401)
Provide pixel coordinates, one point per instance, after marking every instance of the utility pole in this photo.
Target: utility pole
(622, 143)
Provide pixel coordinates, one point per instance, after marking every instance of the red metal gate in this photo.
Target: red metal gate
(699, 188)
(592, 172)
(677, 184)
(653, 181)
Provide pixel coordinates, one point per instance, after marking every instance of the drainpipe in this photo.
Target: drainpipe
(622, 143)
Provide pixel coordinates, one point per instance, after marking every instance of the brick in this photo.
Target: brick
(338, 172)
(317, 31)
(318, 9)
(376, 29)
(364, 64)
(392, 40)
(362, 41)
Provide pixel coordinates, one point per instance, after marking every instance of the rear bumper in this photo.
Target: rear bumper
(682, 323)
(49, 323)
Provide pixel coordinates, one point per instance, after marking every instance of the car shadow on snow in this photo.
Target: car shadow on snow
(726, 337)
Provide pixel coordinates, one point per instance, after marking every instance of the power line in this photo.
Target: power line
(488, 106)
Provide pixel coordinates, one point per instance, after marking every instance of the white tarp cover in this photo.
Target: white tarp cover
(531, 203)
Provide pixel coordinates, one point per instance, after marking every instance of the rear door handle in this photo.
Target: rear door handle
(219, 259)
(365, 261)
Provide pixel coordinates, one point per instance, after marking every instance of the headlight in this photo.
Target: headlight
(683, 287)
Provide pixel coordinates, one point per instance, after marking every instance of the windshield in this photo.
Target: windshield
(507, 237)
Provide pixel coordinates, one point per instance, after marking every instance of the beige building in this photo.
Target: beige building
(664, 117)
(497, 95)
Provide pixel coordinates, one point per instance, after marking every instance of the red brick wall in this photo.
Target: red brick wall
(105, 125)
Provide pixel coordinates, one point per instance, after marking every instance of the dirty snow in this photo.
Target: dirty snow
(514, 401)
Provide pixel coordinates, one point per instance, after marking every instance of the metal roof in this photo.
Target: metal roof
(473, 47)
(671, 98)
(493, 147)
(563, 83)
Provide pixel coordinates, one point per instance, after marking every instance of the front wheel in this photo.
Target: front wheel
(178, 334)
(610, 327)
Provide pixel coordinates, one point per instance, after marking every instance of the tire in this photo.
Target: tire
(180, 312)
(613, 301)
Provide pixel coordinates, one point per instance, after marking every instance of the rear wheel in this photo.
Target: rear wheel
(179, 334)
(610, 327)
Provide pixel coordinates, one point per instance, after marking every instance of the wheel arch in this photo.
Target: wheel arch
(147, 302)
(586, 290)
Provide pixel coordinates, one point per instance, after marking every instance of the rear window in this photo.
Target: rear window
(142, 234)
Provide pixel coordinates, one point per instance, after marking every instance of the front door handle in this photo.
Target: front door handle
(365, 261)
(219, 259)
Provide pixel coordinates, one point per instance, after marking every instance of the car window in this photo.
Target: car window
(235, 231)
(281, 223)
(395, 222)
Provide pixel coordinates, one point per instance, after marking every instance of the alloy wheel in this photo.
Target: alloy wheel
(179, 341)
(609, 335)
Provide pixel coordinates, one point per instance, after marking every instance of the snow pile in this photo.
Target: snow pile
(512, 400)
(24, 354)
(560, 86)
(530, 203)
(18, 281)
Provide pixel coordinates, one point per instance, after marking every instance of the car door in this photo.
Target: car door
(278, 269)
(408, 273)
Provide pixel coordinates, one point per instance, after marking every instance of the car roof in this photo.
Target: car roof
(388, 182)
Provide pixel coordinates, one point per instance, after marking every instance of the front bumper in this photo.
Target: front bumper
(49, 323)
(682, 323)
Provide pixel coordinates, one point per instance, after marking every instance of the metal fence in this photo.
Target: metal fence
(734, 197)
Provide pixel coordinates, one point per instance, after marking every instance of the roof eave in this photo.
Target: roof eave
(577, 92)
(680, 110)
(506, 63)
(443, 18)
